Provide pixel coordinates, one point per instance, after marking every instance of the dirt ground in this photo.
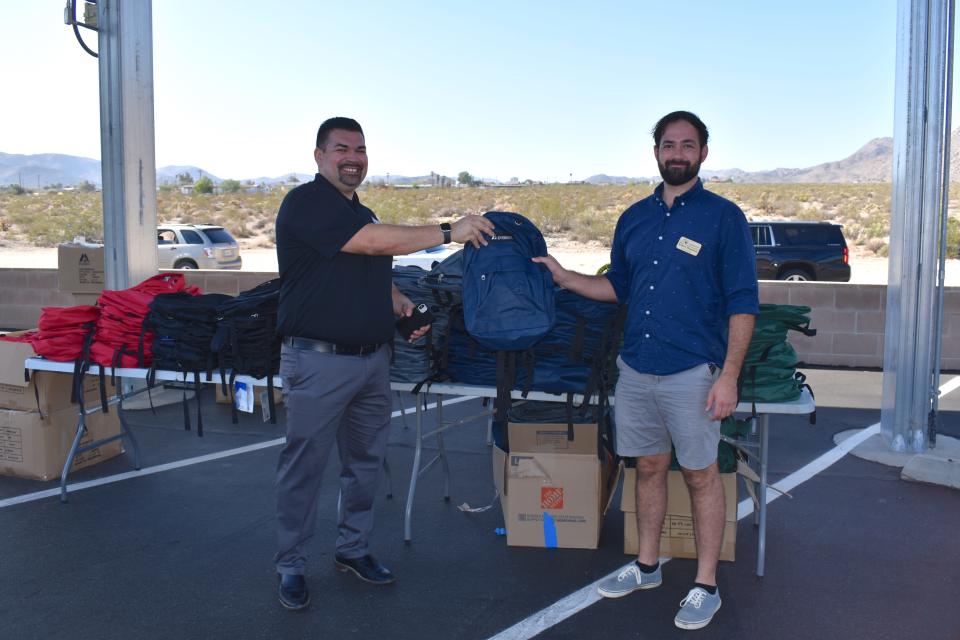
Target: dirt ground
(583, 258)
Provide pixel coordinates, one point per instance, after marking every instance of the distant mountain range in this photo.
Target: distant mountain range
(44, 169)
(873, 162)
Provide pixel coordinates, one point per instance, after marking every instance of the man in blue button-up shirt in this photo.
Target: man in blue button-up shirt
(683, 263)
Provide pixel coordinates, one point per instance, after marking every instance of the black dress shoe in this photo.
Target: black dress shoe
(293, 591)
(366, 568)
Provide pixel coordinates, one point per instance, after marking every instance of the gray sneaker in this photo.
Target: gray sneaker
(697, 609)
(629, 580)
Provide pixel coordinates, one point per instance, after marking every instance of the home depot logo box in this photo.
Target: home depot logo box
(554, 491)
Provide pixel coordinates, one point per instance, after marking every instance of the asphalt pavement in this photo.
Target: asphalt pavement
(185, 551)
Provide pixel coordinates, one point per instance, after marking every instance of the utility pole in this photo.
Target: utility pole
(125, 29)
(921, 161)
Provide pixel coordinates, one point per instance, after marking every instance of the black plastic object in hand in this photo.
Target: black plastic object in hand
(420, 317)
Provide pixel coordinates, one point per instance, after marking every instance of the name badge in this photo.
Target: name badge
(689, 246)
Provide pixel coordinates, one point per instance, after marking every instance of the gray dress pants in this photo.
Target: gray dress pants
(330, 398)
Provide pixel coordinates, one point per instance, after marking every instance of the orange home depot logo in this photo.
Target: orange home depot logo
(551, 497)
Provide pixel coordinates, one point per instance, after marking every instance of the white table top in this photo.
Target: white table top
(802, 405)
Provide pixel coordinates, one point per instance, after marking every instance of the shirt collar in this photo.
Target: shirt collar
(323, 183)
(689, 195)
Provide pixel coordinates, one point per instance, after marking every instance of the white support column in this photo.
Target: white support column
(127, 141)
(920, 185)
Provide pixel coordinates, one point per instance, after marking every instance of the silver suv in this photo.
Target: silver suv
(196, 246)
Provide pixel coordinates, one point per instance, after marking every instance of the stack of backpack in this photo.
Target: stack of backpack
(183, 327)
(510, 327)
(769, 372)
(64, 334)
(416, 361)
(246, 340)
(118, 339)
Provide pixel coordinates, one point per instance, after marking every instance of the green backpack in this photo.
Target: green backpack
(769, 371)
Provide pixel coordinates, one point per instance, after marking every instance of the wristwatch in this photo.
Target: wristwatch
(445, 227)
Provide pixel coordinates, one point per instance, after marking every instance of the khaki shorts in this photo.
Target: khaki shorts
(651, 412)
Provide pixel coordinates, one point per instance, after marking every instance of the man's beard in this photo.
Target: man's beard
(676, 174)
(350, 179)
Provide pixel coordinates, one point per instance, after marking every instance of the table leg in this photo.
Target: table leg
(443, 450)
(81, 427)
(762, 493)
(128, 434)
(415, 472)
(755, 433)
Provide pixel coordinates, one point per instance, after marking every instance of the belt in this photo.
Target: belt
(332, 347)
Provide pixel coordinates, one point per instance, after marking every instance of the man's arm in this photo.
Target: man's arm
(593, 287)
(722, 399)
(394, 240)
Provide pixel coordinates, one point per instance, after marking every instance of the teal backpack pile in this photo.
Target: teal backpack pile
(769, 371)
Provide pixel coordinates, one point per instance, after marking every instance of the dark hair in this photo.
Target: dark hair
(676, 116)
(346, 124)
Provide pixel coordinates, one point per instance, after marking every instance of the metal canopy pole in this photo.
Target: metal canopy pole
(127, 141)
(921, 150)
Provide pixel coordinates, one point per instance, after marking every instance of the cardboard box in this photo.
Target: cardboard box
(676, 537)
(35, 447)
(554, 492)
(54, 388)
(80, 268)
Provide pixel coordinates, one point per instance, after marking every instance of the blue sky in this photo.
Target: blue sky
(541, 90)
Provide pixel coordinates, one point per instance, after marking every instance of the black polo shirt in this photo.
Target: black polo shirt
(326, 294)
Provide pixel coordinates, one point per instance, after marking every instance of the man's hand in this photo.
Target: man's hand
(471, 229)
(722, 399)
(559, 273)
(403, 307)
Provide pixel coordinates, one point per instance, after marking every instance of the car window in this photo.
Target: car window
(761, 235)
(191, 237)
(218, 235)
(166, 236)
(810, 235)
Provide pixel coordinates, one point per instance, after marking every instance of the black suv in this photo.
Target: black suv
(800, 251)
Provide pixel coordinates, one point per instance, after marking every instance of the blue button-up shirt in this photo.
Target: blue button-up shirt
(682, 272)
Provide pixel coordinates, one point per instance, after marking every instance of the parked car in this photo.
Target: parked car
(800, 251)
(196, 246)
(425, 258)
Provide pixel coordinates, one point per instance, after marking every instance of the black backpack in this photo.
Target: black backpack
(246, 340)
(183, 327)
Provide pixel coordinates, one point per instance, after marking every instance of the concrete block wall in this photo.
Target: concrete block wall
(849, 318)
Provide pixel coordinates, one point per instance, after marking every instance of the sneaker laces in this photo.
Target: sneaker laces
(695, 597)
(632, 570)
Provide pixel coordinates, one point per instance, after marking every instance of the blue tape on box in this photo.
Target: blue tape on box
(549, 531)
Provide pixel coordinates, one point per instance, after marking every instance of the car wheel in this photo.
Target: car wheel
(185, 264)
(795, 275)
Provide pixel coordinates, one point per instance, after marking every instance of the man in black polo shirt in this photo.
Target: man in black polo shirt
(337, 311)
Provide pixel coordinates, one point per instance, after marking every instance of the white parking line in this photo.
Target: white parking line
(89, 484)
(582, 598)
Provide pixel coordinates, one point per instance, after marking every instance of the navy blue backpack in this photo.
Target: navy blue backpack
(508, 300)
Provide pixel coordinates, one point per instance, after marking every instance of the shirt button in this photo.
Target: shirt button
(651, 287)
(659, 237)
(655, 262)
(668, 215)
(647, 312)
(646, 335)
